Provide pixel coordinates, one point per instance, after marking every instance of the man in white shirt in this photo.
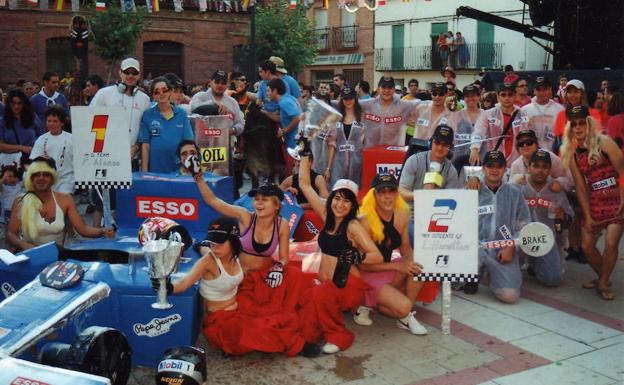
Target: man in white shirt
(126, 94)
(542, 113)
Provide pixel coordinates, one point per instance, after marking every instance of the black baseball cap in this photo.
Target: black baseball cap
(381, 181)
(530, 133)
(506, 87)
(471, 89)
(443, 133)
(494, 157)
(541, 155)
(220, 75)
(439, 87)
(268, 189)
(387, 82)
(222, 229)
(347, 93)
(577, 112)
(542, 82)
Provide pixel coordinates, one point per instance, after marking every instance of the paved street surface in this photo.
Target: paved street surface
(561, 336)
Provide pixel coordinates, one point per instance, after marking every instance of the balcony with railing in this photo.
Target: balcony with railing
(345, 37)
(322, 39)
(472, 56)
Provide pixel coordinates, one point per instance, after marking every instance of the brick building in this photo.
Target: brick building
(345, 44)
(192, 44)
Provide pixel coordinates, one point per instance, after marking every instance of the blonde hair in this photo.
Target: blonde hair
(368, 209)
(593, 143)
(30, 204)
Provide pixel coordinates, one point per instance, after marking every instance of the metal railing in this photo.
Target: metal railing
(472, 56)
(345, 37)
(321, 36)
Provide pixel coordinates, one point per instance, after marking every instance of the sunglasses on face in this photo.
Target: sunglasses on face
(438, 94)
(526, 143)
(580, 122)
(41, 174)
(441, 143)
(160, 91)
(131, 73)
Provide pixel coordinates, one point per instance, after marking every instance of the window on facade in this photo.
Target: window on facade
(59, 58)
(319, 77)
(353, 76)
(161, 57)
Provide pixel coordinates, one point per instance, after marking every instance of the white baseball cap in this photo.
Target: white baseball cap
(346, 184)
(576, 84)
(130, 63)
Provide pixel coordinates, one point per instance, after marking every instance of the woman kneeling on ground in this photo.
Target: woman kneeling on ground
(385, 215)
(340, 241)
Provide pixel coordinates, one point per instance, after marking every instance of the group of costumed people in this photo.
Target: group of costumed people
(256, 303)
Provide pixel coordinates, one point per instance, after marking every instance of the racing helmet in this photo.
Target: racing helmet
(183, 365)
(162, 228)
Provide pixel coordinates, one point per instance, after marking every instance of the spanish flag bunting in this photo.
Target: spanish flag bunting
(293, 4)
(381, 3)
(155, 5)
(59, 4)
(100, 6)
(33, 3)
(326, 4)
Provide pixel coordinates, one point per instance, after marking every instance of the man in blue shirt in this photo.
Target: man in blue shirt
(48, 96)
(268, 72)
(289, 112)
(281, 73)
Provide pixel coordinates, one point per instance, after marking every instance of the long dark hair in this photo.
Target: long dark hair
(330, 218)
(26, 117)
(357, 108)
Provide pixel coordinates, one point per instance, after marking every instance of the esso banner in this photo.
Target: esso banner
(172, 208)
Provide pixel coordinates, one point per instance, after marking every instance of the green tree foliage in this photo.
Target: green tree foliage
(286, 33)
(115, 33)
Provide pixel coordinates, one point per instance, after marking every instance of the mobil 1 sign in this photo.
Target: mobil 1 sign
(446, 234)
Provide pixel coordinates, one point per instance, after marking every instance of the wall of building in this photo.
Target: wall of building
(417, 16)
(208, 41)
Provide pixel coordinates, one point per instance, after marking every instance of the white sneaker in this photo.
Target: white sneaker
(330, 348)
(362, 316)
(410, 323)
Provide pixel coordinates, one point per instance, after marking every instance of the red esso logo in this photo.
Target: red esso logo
(27, 381)
(172, 208)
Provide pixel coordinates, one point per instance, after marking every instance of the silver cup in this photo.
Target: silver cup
(163, 257)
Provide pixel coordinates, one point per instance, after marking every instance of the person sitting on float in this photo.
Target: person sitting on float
(385, 215)
(271, 288)
(38, 216)
(341, 240)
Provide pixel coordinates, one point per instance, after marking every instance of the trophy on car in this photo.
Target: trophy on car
(163, 258)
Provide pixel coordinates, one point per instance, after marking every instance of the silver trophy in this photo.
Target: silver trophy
(163, 258)
(318, 121)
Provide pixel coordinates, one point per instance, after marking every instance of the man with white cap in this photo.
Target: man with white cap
(125, 93)
(282, 73)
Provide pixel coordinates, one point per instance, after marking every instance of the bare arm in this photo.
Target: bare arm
(14, 227)
(284, 242)
(317, 203)
(406, 194)
(581, 189)
(145, 157)
(69, 207)
(364, 243)
(617, 159)
(321, 185)
(11, 148)
(204, 264)
(331, 151)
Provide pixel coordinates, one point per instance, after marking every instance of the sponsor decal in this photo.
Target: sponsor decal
(291, 220)
(393, 119)
(443, 121)
(170, 380)
(213, 154)
(172, 208)
(538, 202)
(602, 184)
(443, 211)
(462, 137)
(389, 168)
(395, 148)
(504, 230)
(212, 132)
(372, 117)
(177, 366)
(311, 228)
(489, 209)
(157, 326)
(422, 122)
(27, 381)
(346, 147)
(7, 289)
(442, 260)
(500, 244)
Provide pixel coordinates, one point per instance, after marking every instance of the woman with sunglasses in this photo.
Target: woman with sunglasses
(38, 216)
(385, 215)
(342, 241)
(19, 128)
(596, 163)
(345, 144)
(163, 127)
(271, 288)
